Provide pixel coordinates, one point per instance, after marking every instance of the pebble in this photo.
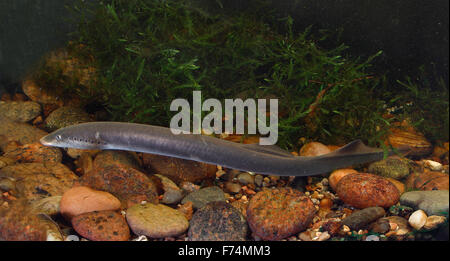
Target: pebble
(372, 238)
(39, 94)
(156, 220)
(362, 190)
(104, 225)
(178, 169)
(399, 226)
(20, 111)
(381, 226)
(218, 221)
(112, 157)
(417, 219)
(433, 165)
(172, 193)
(203, 196)
(66, 116)
(398, 184)
(434, 202)
(433, 222)
(129, 185)
(392, 167)
(313, 149)
(37, 180)
(245, 178)
(359, 219)
(34, 152)
(428, 180)
(274, 214)
(4, 161)
(79, 200)
(259, 180)
(232, 187)
(23, 133)
(337, 175)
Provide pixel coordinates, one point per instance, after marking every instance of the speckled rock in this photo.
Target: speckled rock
(20, 111)
(179, 170)
(102, 226)
(37, 180)
(314, 149)
(428, 180)
(79, 200)
(434, 202)
(392, 167)
(112, 157)
(156, 220)
(21, 132)
(217, 221)
(18, 224)
(34, 152)
(275, 214)
(363, 190)
(359, 219)
(203, 196)
(129, 185)
(65, 116)
(38, 94)
(172, 193)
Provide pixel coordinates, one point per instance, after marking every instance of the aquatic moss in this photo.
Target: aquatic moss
(149, 53)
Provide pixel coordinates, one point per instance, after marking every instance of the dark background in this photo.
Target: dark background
(410, 32)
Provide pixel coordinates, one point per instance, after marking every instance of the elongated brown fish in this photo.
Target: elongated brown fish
(245, 157)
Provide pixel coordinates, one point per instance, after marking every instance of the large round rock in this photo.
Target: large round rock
(218, 221)
(156, 220)
(363, 190)
(278, 213)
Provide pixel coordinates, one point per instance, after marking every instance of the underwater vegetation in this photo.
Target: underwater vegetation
(147, 53)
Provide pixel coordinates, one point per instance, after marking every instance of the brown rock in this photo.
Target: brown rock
(34, 152)
(102, 226)
(179, 170)
(156, 220)
(20, 132)
(275, 214)
(79, 200)
(38, 94)
(112, 157)
(398, 184)
(333, 226)
(407, 137)
(313, 149)
(337, 175)
(363, 190)
(360, 218)
(37, 180)
(428, 180)
(20, 111)
(129, 185)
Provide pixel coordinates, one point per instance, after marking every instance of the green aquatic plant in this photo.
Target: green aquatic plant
(148, 53)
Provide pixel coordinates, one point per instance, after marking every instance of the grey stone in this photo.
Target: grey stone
(434, 202)
(203, 196)
(359, 219)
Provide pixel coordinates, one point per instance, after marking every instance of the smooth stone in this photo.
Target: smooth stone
(203, 196)
(129, 185)
(392, 167)
(337, 175)
(38, 180)
(417, 219)
(79, 200)
(245, 178)
(20, 111)
(23, 133)
(113, 157)
(232, 188)
(314, 149)
(259, 180)
(274, 214)
(156, 220)
(218, 221)
(34, 153)
(433, 222)
(433, 202)
(172, 193)
(66, 116)
(359, 219)
(104, 225)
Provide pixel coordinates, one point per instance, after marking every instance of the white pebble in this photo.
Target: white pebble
(433, 165)
(72, 238)
(418, 219)
(433, 222)
(372, 238)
